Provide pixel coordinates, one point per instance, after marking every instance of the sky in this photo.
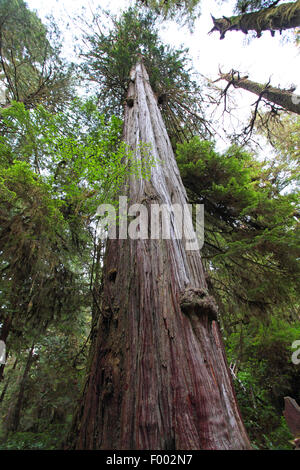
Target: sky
(262, 59)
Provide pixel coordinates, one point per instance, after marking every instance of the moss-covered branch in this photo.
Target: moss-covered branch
(274, 18)
(284, 98)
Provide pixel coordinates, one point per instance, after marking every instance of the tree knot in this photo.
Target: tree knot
(198, 301)
(130, 101)
(112, 274)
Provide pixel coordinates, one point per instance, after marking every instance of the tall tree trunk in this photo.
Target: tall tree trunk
(284, 98)
(14, 414)
(158, 376)
(274, 18)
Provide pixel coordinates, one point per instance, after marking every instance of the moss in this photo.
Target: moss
(268, 19)
(198, 301)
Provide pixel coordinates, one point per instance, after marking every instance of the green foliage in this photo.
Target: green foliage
(111, 53)
(31, 441)
(51, 388)
(31, 255)
(54, 172)
(31, 68)
(244, 6)
(284, 135)
(252, 244)
(262, 353)
(185, 11)
(77, 153)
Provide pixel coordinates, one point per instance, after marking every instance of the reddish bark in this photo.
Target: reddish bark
(292, 416)
(158, 377)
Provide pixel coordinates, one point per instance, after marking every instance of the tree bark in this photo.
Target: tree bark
(292, 417)
(274, 18)
(3, 393)
(158, 377)
(14, 414)
(284, 98)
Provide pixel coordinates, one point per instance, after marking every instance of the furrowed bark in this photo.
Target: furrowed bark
(292, 417)
(158, 377)
(271, 19)
(284, 98)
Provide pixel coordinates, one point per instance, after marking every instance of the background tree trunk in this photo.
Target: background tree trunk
(7, 382)
(158, 377)
(284, 98)
(280, 17)
(14, 413)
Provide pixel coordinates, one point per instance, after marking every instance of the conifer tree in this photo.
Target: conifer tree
(157, 375)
